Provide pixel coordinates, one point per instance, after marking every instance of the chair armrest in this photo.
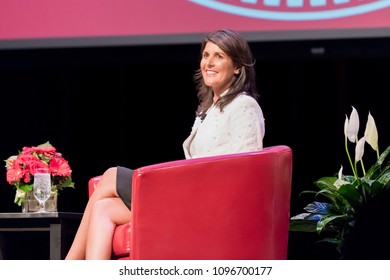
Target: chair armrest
(92, 183)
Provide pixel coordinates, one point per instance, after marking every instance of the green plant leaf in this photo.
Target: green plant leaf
(326, 183)
(303, 225)
(384, 179)
(376, 167)
(351, 195)
(325, 223)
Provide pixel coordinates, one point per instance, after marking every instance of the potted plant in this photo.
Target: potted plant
(20, 170)
(342, 199)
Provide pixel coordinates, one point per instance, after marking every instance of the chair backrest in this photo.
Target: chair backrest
(233, 206)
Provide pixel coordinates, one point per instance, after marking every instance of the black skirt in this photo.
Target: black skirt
(124, 180)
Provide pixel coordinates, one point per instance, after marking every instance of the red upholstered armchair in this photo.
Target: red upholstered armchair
(222, 207)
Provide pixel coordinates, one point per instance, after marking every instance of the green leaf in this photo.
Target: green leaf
(351, 195)
(326, 183)
(303, 225)
(374, 187)
(47, 144)
(334, 198)
(384, 179)
(325, 223)
(26, 187)
(330, 240)
(63, 182)
(372, 173)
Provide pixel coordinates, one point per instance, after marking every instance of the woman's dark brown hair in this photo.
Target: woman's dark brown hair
(237, 48)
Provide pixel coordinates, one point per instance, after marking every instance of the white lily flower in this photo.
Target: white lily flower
(353, 125)
(346, 126)
(359, 150)
(341, 172)
(339, 182)
(371, 133)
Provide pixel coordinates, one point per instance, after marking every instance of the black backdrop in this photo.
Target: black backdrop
(133, 106)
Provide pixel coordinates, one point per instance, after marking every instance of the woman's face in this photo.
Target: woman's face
(217, 68)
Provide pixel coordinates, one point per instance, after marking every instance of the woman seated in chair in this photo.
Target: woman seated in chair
(228, 120)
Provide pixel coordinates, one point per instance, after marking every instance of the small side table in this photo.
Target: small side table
(62, 227)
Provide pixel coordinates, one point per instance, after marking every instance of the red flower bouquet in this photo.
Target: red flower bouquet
(21, 169)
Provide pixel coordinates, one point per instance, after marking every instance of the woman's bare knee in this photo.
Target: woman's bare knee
(108, 177)
(106, 186)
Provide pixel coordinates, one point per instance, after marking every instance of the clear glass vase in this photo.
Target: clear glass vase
(30, 204)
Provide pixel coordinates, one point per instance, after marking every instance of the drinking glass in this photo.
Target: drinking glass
(42, 189)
